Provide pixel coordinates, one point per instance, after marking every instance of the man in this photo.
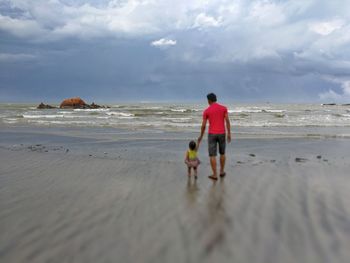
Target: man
(217, 115)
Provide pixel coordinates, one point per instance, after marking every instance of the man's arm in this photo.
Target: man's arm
(198, 143)
(204, 124)
(228, 127)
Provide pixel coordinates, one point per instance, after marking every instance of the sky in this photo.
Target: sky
(162, 50)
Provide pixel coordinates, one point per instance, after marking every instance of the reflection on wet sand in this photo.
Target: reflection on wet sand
(217, 221)
(192, 190)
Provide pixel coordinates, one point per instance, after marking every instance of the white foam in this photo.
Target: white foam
(125, 118)
(121, 114)
(153, 108)
(10, 120)
(178, 110)
(185, 119)
(63, 122)
(243, 110)
(103, 109)
(276, 111)
(255, 110)
(51, 116)
(27, 116)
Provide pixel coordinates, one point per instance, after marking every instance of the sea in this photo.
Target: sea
(267, 119)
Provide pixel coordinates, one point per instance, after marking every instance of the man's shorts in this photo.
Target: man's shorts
(213, 141)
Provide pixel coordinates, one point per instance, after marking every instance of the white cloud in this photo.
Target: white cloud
(331, 95)
(326, 28)
(10, 57)
(345, 86)
(203, 20)
(267, 13)
(55, 19)
(21, 27)
(163, 42)
(240, 30)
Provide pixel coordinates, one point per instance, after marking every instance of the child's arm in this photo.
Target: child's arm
(186, 156)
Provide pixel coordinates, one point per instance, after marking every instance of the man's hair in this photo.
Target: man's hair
(211, 97)
(192, 145)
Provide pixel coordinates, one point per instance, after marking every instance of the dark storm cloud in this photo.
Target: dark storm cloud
(143, 50)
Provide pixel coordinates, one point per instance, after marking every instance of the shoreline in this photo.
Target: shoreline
(114, 142)
(112, 133)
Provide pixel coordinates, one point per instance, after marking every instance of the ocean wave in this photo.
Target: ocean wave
(121, 114)
(183, 110)
(87, 110)
(27, 116)
(51, 116)
(244, 111)
(275, 111)
(184, 119)
(10, 120)
(45, 122)
(177, 116)
(256, 111)
(178, 110)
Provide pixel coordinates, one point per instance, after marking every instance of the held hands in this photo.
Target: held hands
(198, 143)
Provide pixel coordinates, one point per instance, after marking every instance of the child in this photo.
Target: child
(191, 158)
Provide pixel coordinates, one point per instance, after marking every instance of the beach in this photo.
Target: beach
(103, 103)
(108, 195)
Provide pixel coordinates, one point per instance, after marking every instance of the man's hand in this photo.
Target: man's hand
(204, 123)
(229, 137)
(228, 127)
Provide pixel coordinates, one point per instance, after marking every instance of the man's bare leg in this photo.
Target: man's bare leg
(213, 165)
(222, 163)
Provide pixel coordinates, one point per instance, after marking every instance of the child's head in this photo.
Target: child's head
(192, 145)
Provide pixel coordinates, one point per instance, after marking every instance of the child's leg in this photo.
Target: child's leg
(195, 171)
(189, 171)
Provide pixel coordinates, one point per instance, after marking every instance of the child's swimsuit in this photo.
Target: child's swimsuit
(192, 155)
(193, 160)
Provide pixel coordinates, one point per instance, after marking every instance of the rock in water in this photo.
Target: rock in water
(45, 106)
(75, 103)
(95, 106)
(300, 160)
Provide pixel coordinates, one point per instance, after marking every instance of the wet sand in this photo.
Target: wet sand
(283, 200)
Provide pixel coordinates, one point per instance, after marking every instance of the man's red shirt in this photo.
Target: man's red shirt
(215, 113)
